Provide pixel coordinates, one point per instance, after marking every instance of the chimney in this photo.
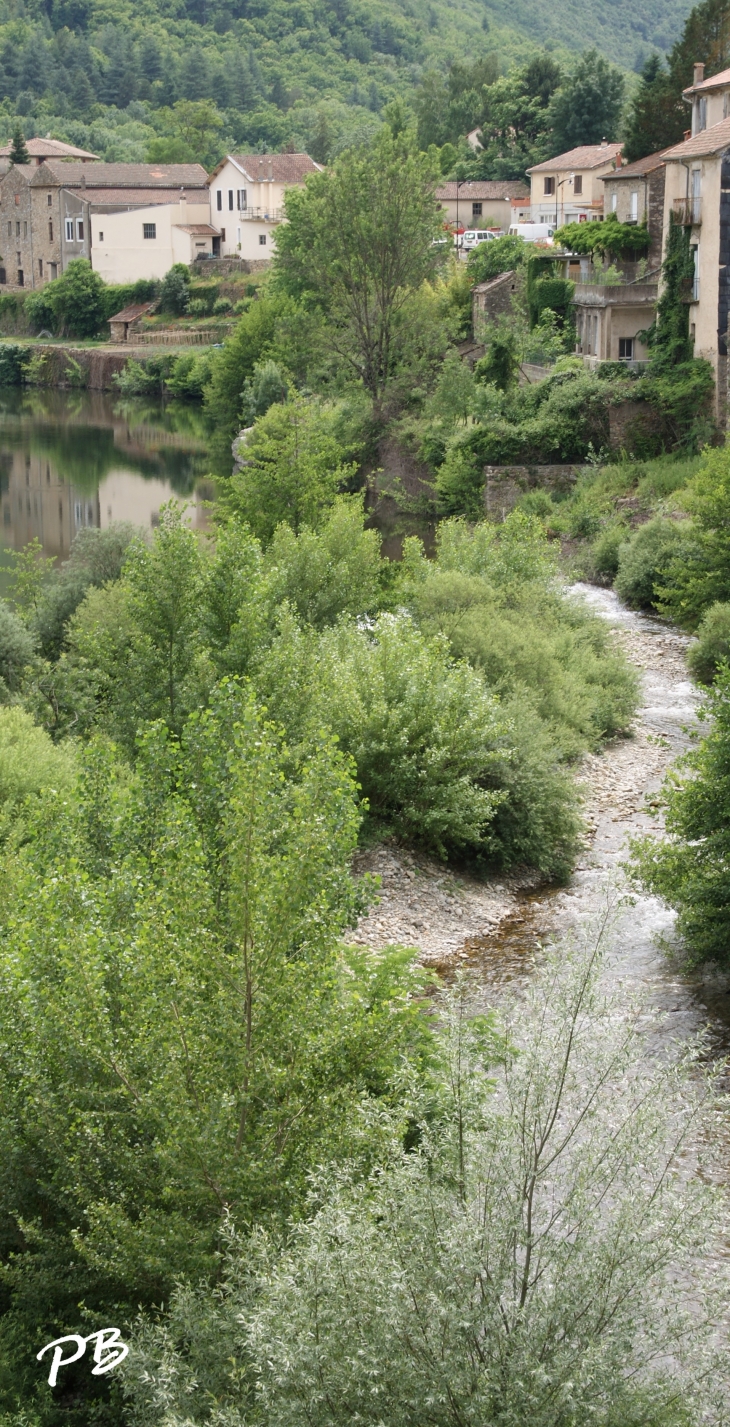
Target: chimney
(699, 74)
(271, 170)
(618, 159)
(603, 143)
(687, 134)
(183, 206)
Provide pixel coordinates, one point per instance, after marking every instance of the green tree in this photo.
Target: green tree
(77, 300)
(357, 243)
(175, 290)
(587, 107)
(536, 1247)
(251, 343)
(656, 116)
(174, 993)
(292, 464)
(19, 149)
(515, 121)
(668, 337)
(488, 260)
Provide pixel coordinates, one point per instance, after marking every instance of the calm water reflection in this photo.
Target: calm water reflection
(71, 459)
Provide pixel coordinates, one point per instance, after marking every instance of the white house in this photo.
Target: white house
(247, 200)
(145, 242)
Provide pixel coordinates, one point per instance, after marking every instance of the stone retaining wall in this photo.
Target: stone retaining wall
(503, 485)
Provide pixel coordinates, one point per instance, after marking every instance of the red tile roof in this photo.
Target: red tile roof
(198, 230)
(138, 197)
(50, 149)
(119, 175)
(716, 81)
(709, 141)
(130, 314)
(587, 156)
(500, 188)
(283, 168)
(638, 168)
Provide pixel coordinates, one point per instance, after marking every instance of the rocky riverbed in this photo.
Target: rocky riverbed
(498, 927)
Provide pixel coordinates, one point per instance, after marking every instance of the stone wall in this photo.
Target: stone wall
(503, 485)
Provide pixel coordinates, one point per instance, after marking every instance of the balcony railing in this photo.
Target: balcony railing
(262, 215)
(688, 211)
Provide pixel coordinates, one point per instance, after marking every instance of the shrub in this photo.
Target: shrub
(13, 359)
(190, 374)
(174, 293)
(263, 389)
(460, 484)
(689, 869)
(644, 559)
(197, 307)
(29, 762)
(77, 300)
(490, 259)
(144, 378)
(16, 648)
(221, 306)
(605, 550)
(712, 644)
(39, 310)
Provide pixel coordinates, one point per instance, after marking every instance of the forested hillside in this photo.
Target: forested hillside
(312, 74)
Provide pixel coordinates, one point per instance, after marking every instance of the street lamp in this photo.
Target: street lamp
(558, 187)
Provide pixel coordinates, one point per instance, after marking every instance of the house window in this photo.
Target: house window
(702, 115)
(40, 267)
(21, 278)
(230, 199)
(223, 235)
(548, 186)
(219, 200)
(241, 199)
(17, 230)
(626, 349)
(578, 183)
(17, 200)
(101, 237)
(69, 230)
(149, 230)
(50, 200)
(634, 208)
(696, 273)
(10, 230)
(50, 230)
(54, 270)
(80, 230)
(262, 240)
(614, 202)
(25, 230)
(476, 210)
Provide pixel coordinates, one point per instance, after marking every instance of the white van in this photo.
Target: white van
(474, 236)
(533, 232)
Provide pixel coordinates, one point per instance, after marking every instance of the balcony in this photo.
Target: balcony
(623, 294)
(688, 212)
(262, 215)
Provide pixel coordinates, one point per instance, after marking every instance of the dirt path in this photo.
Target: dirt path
(498, 927)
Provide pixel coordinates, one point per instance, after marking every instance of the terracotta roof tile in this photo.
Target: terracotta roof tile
(587, 156)
(50, 149)
(715, 81)
(104, 175)
(138, 197)
(500, 188)
(130, 314)
(284, 168)
(709, 141)
(638, 168)
(198, 230)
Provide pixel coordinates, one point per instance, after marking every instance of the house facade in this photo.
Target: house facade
(247, 200)
(132, 243)
(477, 204)
(635, 193)
(47, 213)
(569, 188)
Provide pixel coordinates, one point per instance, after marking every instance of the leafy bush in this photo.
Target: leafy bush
(689, 869)
(264, 388)
(190, 374)
(12, 363)
(95, 559)
(29, 762)
(16, 649)
(292, 466)
(221, 306)
(702, 576)
(146, 377)
(460, 484)
(644, 560)
(174, 293)
(490, 259)
(117, 296)
(606, 548)
(39, 310)
(76, 299)
(197, 307)
(712, 644)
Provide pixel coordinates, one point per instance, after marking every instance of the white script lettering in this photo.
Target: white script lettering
(109, 1351)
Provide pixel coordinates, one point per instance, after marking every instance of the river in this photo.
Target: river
(499, 928)
(73, 459)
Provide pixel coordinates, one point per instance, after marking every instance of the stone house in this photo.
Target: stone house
(46, 211)
(41, 149)
(247, 201)
(123, 325)
(635, 193)
(478, 204)
(569, 188)
(491, 299)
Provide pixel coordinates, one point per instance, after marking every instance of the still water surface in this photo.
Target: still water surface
(73, 459)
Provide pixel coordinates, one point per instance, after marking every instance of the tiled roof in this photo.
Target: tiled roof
(638, 168)
(138, 197)
(130, 314)
(50, 149)
(710, 141)
(283, 168)
(497, 189)
(587, 156)
(103, 175)
(198, 230)
(715, 81)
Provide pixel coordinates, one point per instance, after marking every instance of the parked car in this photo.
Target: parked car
(474, 236)
(533, 232)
